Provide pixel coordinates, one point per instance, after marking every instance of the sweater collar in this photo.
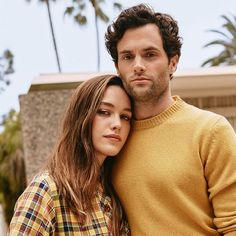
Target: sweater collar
(160, 118)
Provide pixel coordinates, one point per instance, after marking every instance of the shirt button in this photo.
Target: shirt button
(107, 208)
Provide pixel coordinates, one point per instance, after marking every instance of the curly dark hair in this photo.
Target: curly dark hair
(138, 16)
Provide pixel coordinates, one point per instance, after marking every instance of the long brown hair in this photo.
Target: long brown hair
(73, 165)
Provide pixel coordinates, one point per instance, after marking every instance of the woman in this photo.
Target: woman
(74, 195)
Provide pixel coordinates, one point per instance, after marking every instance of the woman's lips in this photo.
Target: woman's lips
(114, 137)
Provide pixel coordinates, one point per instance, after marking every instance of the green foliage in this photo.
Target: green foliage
(12, 168)
(6, 68)
(10, 138)
(228, 55)
(78, 7)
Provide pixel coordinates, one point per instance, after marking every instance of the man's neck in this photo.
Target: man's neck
(145, 110)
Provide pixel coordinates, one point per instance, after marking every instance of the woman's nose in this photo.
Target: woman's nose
(116, 123)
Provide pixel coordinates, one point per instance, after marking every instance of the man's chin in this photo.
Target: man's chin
(141, 94)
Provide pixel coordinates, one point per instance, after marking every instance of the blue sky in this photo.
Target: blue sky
(25, 31)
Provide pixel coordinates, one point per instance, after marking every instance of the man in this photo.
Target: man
(177, 173)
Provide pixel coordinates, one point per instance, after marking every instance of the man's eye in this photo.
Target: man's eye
(126, 57)
(150, 54)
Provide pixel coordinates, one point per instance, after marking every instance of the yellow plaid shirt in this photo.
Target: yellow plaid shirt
(41, 211)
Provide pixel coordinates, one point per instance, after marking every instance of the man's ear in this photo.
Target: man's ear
(173, 63)
(117, 70)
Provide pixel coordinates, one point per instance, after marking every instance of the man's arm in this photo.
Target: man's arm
(220, 172)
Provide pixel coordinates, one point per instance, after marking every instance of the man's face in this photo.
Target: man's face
(143, 64)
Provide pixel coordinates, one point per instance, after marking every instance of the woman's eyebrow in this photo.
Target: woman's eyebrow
(107, 104)
(111, 105)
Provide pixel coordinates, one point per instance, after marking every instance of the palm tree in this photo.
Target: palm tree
(52, 31)
(77, 11)
(12, 168)
(6, 67)
(228, 55)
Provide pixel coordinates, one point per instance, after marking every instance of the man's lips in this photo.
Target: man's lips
(140, 80)
(114, 137)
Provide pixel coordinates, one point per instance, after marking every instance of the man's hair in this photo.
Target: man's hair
(138, 16)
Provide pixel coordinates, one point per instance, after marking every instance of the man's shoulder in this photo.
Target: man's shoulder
(196, 117)
(204, 114)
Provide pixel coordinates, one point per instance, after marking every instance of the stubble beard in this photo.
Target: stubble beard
(148, 94)
(141, 94)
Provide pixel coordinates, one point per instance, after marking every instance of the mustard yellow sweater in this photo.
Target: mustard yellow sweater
(177, 174)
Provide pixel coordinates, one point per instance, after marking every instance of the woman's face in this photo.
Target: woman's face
(111, 124)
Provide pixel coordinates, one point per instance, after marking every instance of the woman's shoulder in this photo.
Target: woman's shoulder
(35, 208)
(42, 183)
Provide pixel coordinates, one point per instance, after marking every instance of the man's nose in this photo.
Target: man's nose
(139, 65)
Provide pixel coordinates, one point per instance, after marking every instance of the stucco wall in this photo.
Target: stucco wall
(41, 114)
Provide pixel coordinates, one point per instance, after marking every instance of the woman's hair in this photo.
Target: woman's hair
(138, 16)
(73, 164)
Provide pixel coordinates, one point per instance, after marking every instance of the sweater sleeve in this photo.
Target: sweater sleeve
(33, 214)
(220, 172)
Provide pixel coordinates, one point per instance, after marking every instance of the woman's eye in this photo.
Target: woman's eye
(103, 112)
(126, 117)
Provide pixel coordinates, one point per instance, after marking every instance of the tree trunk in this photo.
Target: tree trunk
(53, 36)
(98, 45)
(94, 4)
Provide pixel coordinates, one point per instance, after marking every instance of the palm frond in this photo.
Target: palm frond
(117, 6)
(219, 32)
(230, 26)
(69, 10)
(219, 42)
(101, 15)
(228, 55)
(80, 19)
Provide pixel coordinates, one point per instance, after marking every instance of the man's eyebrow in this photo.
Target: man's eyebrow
(111, 105)
(145, 49)
(125, 51)
(150, 49)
